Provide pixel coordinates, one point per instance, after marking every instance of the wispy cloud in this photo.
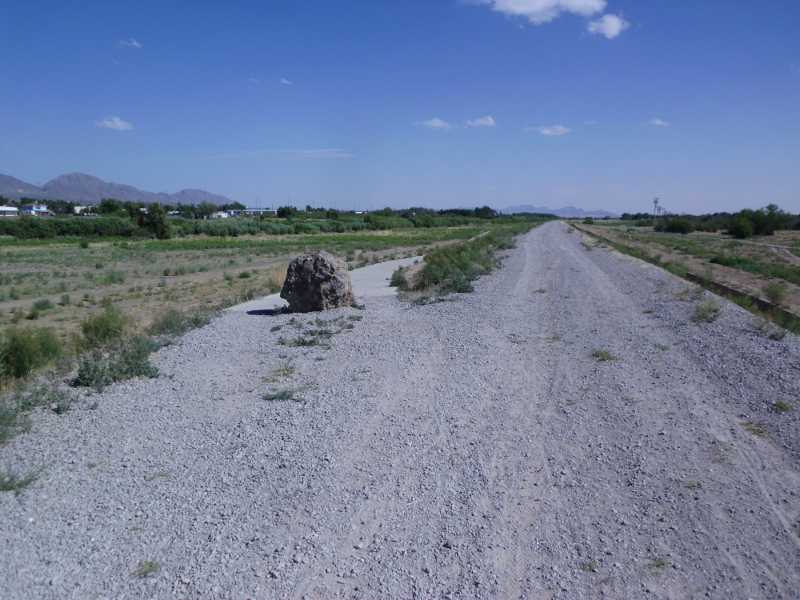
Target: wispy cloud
(285, 81)
(538, 12)
(656, 122)
(301, 153)
(551, 130)
(130, 43)
(487, 121)
(609, 26)
(114, 123)
(436, 123)
(253, 80)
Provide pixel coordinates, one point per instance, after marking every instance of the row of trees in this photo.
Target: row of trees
(742, 224)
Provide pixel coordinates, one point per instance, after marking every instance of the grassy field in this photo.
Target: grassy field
(766, 267)
(47, 283)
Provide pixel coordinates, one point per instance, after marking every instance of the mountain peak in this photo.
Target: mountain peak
(88, 189)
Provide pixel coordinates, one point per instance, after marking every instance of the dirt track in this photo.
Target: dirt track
(471, 448)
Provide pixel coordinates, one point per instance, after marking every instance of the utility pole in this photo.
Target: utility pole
(655, 208)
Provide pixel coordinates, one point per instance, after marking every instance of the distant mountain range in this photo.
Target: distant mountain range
(567, 212)
(86, 189)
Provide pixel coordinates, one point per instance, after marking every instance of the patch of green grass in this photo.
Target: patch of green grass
(280, 373)
(130, 359)
(693, 484)
(603, 355)
(282, 395)
(453, 268)
(42, 305)
(658, 565)
(781, 406)
(24, 350)
(707, 311)
(104, 328)
(589, 566)
(775, 292)
(399, 279)
(757, 429)
(175, 323)
(13, 482)
(146, 568)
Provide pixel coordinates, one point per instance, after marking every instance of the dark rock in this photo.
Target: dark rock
(317, 281)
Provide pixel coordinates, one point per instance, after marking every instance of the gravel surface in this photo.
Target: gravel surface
(473, 448)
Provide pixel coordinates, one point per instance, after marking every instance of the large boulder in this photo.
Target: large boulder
(317, 281)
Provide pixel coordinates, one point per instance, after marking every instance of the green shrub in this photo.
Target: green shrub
(775, 292)
(588, 221)
(131, 359)
(42, 305)
(399, 280)
(706, 311)
(675, 225)
(175, 323)
(103, 328)
(453, 268)
(23, 350)
(741, 229)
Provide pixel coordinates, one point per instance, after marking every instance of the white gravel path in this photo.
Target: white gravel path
(466, 449)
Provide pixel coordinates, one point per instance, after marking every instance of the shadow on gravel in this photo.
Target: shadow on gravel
(268, 312)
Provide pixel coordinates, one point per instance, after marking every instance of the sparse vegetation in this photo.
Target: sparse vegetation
(453, 268)
(23, 350)
(775, 292)
(757, 429)
(103, 328)
(13, 482)
(707, 311)
(399, 279)
(603, 356)
(146, 568)
(282, 395)
(175, 323)
(130, 359)
(781, 406)
(658, 565)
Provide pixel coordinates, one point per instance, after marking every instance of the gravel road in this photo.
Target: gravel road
(472, 448)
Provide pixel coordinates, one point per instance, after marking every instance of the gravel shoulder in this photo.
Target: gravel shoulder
(472, 448)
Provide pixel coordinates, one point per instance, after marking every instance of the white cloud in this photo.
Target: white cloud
(253, 80)
(285, 81)
(436, 123)
(487, 121)
(130, 43)
(544, 11)
(553, 130)
(608, 25)
(114, 123)
(656, 122)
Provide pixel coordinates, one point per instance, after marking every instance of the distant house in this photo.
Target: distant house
(35, 210)
(220, 214)
(79, 210)
(9, 211)
(253, 212)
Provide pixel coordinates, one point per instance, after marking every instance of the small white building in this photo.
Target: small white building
(79, 210)
(9, 211)
(35, 210)
(220, 214)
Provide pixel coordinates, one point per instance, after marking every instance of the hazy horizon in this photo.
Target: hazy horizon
(589, 103)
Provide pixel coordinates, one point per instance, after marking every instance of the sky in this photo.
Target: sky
(363, 104)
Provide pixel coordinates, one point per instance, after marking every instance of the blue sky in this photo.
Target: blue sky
(444, 103)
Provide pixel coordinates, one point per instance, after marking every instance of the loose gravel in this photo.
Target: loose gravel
(473, 448)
